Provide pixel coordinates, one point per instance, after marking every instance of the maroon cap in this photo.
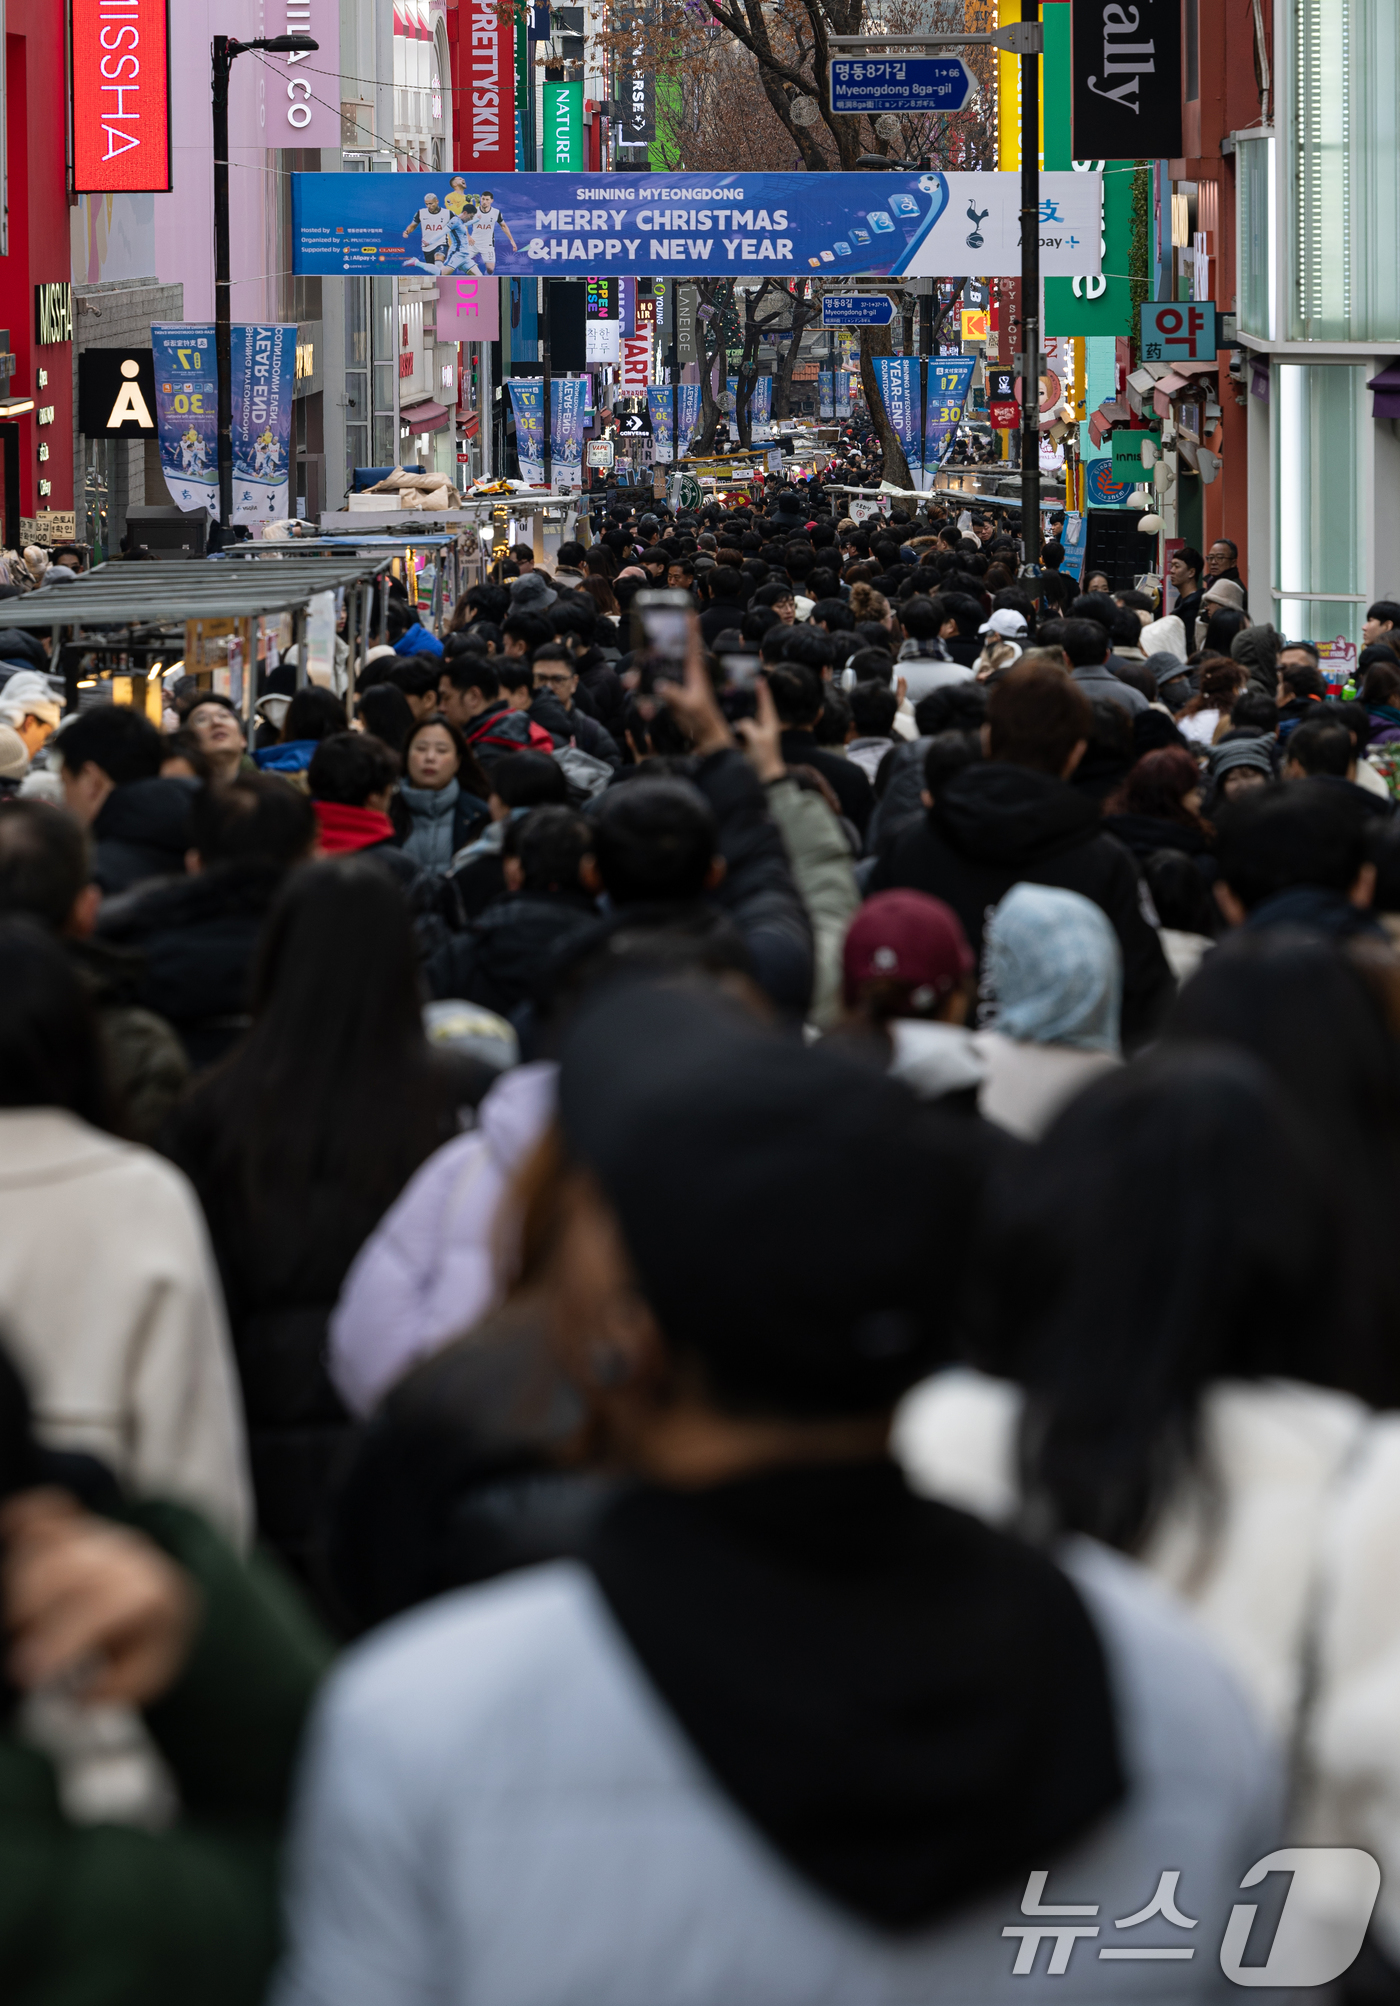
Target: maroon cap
(906, 937)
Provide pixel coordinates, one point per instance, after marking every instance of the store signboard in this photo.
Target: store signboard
(1126, 89)
(1178, 331)
(121, 96)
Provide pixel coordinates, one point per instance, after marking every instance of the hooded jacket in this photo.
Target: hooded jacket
(498, 730)
(995, 825)
(658, 1848)
(416, 640)
(142, 831)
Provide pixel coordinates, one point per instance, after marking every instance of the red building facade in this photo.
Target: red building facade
(36, 298)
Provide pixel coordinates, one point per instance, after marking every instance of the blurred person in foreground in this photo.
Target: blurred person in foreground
(109, 1298)
(1178, 1378)
(783, 1731)
(119, 1605)
(46, 875)
(296, 1144)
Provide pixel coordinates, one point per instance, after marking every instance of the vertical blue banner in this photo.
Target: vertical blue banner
(264, 378)
(659, 411)
(567, 412)
(187, 412)
(567, 417)
(689, 413)
(761, 409)
(843, 393)
(826, 394)
(527, 399)
(949, 379)
(898, 378)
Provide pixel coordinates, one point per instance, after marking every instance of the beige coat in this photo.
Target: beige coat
(111, 1308)
(1285, 1543)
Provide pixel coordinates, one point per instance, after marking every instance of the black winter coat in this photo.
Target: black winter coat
(757, 892)
(852, 789)
(142, 831)
(197, 937)
(282, 1274)
(994, 826)
(598, 678)
(504, 957)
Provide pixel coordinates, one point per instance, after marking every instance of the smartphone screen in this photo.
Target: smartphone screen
(740, 671)
(661, 632)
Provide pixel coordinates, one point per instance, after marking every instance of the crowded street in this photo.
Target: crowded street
(699, 1005)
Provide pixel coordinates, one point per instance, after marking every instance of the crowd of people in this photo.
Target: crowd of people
(701, 1329)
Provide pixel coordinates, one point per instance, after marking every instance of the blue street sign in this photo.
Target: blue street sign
(871, 84)
(857, 310)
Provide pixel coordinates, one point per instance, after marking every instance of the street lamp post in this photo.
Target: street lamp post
(226, 48)
(1030, 288)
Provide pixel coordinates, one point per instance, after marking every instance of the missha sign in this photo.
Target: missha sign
(121, 96)
(1127, 79)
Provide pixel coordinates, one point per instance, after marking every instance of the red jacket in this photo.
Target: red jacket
(345, 829)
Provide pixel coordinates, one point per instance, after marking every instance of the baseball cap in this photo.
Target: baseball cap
(910, 938)
(1007, 622)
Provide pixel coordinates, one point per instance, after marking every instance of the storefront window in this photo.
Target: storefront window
(1318, 556)
(1343, 190)
(1254, 179)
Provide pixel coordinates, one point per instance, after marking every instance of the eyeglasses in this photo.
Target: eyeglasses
(559, 682)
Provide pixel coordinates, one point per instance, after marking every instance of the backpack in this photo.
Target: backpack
(585, 774)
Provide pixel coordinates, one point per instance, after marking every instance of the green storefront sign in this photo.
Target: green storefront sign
(1127, 453)
(1102, 305)
(563, 128)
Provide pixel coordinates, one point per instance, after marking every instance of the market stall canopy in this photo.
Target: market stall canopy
(149, 595)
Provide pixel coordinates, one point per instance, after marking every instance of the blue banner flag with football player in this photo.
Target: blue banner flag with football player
(187, 412)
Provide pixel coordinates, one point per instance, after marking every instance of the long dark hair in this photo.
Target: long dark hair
(1168, 1232)
(1309, 1012)
(322, 1112)
(50, 1045)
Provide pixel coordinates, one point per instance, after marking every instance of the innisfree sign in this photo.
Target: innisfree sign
(857, 310)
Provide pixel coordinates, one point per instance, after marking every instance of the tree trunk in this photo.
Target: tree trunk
(878, 341)
(804, 312)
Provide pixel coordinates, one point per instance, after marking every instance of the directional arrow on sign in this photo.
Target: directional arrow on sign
(867, 85)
